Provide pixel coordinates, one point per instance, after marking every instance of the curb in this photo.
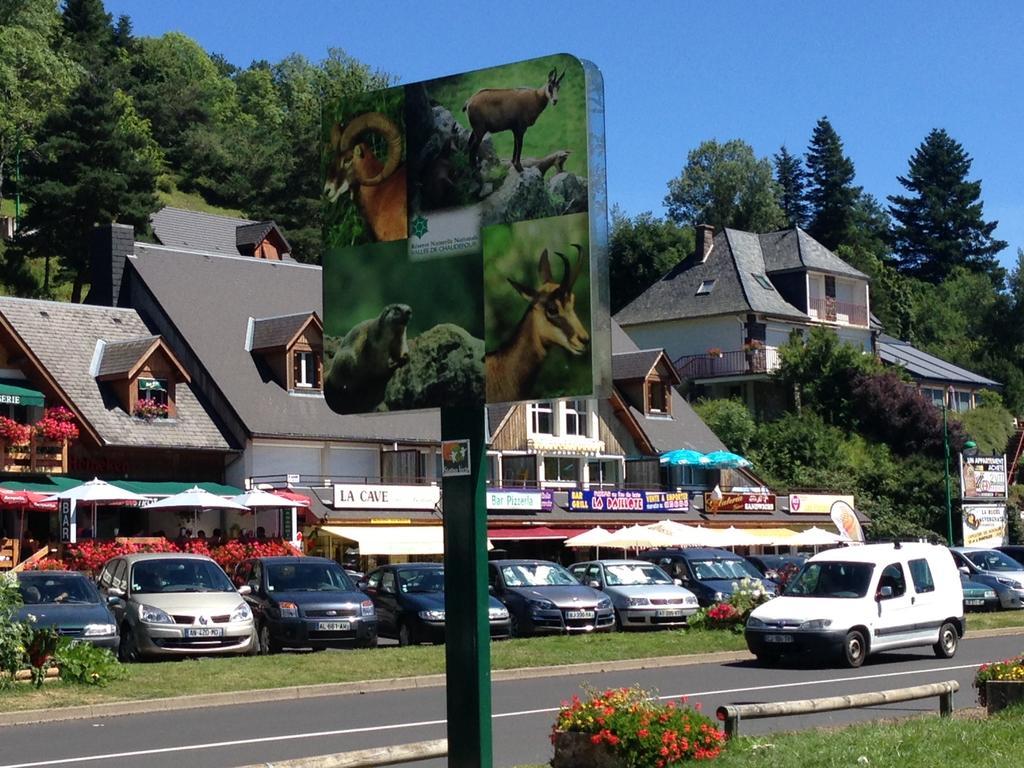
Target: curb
(263, 695)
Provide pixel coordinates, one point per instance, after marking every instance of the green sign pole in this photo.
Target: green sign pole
(467, 629)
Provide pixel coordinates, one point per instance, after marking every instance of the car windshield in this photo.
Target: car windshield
(993, 560)
(536, 575)
(709, 570)
(40, 590)
(831, 579)
(307, 577)
(421, 580)
(621, 575)
(166, 575)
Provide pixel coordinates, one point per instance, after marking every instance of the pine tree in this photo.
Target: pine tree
(792, 180)
(93, 166)
(89, 35)
(939, 226)
(831, 193)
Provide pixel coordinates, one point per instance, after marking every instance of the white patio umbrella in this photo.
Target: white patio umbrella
(682, 535)
(815, 537)
(595, 537)
(197, 499)
(736, 537)
(259, 499)
(637, 537)
(96, 492)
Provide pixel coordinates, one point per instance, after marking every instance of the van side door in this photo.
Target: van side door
(894, 626)
(929, 607)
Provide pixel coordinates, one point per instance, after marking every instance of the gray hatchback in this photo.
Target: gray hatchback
(644, 596)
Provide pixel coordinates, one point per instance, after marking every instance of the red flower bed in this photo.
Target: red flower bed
(57, 424)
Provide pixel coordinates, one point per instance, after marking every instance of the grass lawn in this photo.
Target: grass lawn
(193, 202)
(213, 675)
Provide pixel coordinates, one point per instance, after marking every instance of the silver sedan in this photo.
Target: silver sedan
(644, 596)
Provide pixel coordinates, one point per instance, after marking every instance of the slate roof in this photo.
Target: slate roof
(64, 339)
(121, 356)
(733, 263)
(634, 365)
(922, 365)
(248, 236)
(273, 332)
(209, 300)
(178, 228)
(684, 429)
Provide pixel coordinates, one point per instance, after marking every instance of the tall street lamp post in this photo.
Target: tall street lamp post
(945, 445)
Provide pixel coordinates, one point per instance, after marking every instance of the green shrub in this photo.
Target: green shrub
(86, 664)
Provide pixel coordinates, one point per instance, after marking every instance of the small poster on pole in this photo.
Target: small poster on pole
(454, 458)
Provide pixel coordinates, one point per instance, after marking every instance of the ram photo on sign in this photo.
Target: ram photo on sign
(459, 249)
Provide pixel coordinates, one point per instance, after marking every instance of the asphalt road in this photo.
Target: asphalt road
(523, 711)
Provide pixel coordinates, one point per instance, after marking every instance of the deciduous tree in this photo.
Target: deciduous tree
(641, 250)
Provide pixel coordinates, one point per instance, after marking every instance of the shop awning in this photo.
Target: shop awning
(392, 539)
(533, 532)
(170, 487)
(16, 393)
(769, 536)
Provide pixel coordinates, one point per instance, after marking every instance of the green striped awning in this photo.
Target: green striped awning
(16, 393)
(170, 487)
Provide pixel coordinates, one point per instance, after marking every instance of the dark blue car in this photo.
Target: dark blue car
(711, 574)
(69, 602)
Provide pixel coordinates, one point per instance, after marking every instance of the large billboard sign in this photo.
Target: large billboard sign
(984, 525)
(465, 240)
(983, 477)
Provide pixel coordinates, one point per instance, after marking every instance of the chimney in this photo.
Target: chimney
(111, 244)
(705, 239)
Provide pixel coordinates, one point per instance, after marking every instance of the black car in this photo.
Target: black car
(711, 574)
(67, 601)
(409, 598)
(542, 596)
(306, 602)
(770, 565)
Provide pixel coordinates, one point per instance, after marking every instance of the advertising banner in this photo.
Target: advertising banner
(984, 525)
(386, 496)
(739, 502)
(983, 477)
(629, 501)
(815, 503)
(465, 240)
(845, 519)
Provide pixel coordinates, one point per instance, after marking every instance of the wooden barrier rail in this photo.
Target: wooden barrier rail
(731, 714)
(367, 758)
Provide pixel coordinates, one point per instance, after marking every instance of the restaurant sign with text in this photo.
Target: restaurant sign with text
(816, 503)
(739, 502)
(507, 499)
(353, 496)
(629, 501)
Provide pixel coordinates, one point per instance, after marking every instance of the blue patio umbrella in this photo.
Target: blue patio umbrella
(684, 457)
(726, 460)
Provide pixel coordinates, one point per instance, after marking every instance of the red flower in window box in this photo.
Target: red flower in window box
(13, 433)
(149, 410)
(57, 424)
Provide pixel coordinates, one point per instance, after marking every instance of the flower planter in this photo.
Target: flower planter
(25, 675)
(577, 750)
(1000, 694)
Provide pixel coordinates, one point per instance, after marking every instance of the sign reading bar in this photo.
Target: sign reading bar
(984, 525)
(740, 502)
(68, 521)
(983, 477)
(386, 496)
(816, 503)
(629, 501)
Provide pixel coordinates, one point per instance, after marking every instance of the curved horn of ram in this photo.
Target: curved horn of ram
(374, 121)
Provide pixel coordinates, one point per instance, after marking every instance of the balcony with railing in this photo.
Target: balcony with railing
(743, 362)
(829, 310)
(38, 456)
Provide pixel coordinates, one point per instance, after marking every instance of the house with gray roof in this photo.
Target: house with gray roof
(722, 313)
(937, 379)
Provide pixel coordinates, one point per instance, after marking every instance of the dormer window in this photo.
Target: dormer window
(290, 348)
(142, 373)
(151, 398)
(659, 401)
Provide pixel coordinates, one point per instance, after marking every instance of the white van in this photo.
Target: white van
(859, 600)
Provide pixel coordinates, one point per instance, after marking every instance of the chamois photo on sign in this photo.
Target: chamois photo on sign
(365, 188)
(537, 309)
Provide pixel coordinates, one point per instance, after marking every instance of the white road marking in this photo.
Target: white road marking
(425, 723)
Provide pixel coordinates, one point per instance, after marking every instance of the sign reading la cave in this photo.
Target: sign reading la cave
(348, 496)
(628, 501)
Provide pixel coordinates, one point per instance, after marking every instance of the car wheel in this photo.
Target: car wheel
(516, 628)
(406, 634)
(267, 645)
(855, 648)
(617, 626)
(948, 641)
(127, 648)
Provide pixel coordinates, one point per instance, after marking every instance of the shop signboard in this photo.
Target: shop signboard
(351, 496)
(983, 477)
(984, 525)
(739, 502)
(465, 240)
(815, 503)
(68, 521)
(629, 501)
(507, 499)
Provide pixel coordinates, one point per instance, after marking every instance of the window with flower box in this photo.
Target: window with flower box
(151, 399)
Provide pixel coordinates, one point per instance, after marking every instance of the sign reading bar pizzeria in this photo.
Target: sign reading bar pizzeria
(506, 499)
(739, 502)
(347, 496)
(628, 501)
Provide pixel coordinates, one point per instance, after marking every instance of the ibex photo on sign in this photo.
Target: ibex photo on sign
(465, 237)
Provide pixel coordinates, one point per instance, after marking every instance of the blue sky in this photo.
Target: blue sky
(678, 73)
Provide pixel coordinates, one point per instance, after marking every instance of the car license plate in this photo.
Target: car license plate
(333, 626)
(778, 638)
(579, 614)
(974, 602)
(668, 612)
(204, 632)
